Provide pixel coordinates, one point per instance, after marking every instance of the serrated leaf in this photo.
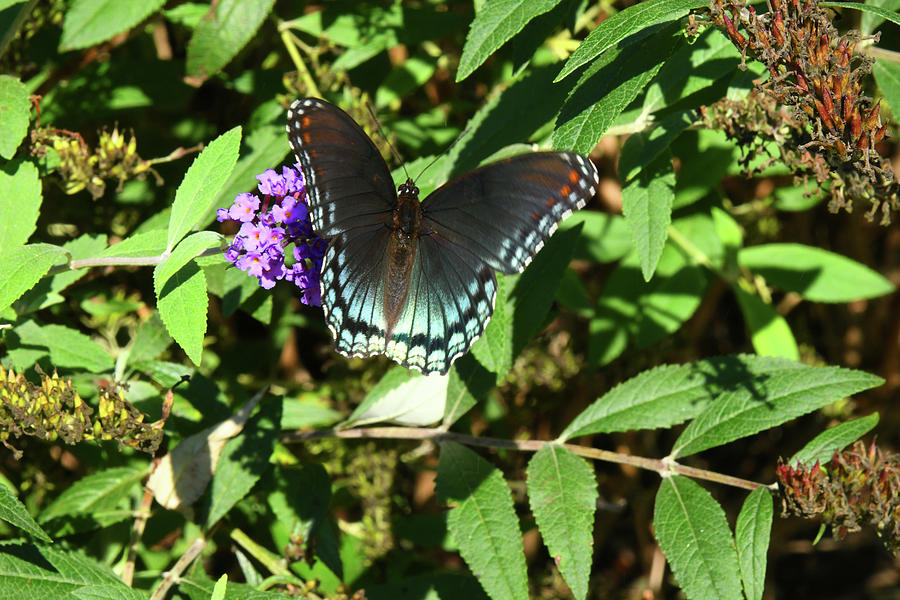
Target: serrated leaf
(834, 439)
(469, 384)
(20, 202)
(769, 332)
(184, 252)
(671, 394)
(647, 207)
(182, 304)
(494, 24)
(814, 273)
(68, 348)
(90, 22)
(494, 348)
(604, 237)
(751, 535)
(198, 587)
(483, 521)
(563, 495)
(14, 512)
(780, 398)
(33, 572)
(875, 10)
(15, 113)
(405, 397)
(693, 534)
(94, 494)
(263, 147)
(606, 88)
(150, 340)
(534, 291)
(141, 245)
(643, 148)
(222, 33)
(623, 25)
(243, 461)
(202, 182)
(109, 592)
(22, 267)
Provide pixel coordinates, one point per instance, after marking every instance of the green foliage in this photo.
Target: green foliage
(122, 292)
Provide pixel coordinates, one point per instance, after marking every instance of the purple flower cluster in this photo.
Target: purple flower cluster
(259, 246)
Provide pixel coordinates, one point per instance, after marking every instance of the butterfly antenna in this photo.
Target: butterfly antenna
(390, 145)
(449, 148)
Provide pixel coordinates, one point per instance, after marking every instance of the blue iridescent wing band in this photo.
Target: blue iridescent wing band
(451, 299)
(347, 182)
(505, 211)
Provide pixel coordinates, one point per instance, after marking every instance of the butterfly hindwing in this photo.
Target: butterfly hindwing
(347, 182)
(506, 210)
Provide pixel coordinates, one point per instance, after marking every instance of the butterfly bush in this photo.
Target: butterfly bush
(272, 224)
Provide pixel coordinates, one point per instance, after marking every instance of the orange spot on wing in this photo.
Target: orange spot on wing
(550, 202)
(306, 137)
(565, 190)
(573, 176)
(535, 216)
(305, 121)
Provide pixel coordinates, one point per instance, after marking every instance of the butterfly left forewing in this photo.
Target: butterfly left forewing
(505, 211)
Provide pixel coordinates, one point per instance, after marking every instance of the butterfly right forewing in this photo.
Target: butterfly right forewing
(348, 184)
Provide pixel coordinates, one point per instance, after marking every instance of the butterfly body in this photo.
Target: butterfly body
(415, 280)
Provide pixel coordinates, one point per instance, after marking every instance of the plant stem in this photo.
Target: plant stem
(170, 577)
(663, 467)
(140, 522)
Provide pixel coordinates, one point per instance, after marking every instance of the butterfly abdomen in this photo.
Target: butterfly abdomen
(405, 223)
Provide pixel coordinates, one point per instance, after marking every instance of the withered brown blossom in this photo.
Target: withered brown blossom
(812, 106)
(857, 487)
(54, 411)
(82, 167)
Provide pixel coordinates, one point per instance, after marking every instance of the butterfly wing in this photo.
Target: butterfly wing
(505, 211)
(347, 182)
(451, 298)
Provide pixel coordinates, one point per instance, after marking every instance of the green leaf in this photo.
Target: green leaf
(647, 207)
(834, 439)
(671, 394)
(89, 22)
(875, 10)
(404, 78)
(796, 198)
(494, 349)
(15, 113)
(263, 148)
(607, 87)
(604, 237)
(483, 521)
(563, 494)
(770, 333)
(42, 572)
(14, 512)
(220, 36)
(218, 592)
(243, 461)
(150, 340)
(68, 348)
(109, 592)
(182, 304)
(751, 536)
(536, 287)
(887, 76)
(693, 534)
(780, 398)
(404, 397)
(98, 496)
(469, 384)
(185, 252)
(816, 274)
(20, 202)
(201, 183)
(22, 267)
(141, 245)
(643, 148)
(623, 27)
(198, 587)
(495, 23)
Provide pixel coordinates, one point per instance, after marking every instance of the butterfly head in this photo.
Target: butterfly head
(408, 190)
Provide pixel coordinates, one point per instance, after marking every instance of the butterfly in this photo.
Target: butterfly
(415, 280)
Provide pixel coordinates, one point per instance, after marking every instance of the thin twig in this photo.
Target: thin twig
(170, 577)
(661, 466)
(140, 522)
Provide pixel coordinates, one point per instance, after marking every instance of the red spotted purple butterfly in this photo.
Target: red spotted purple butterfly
(415, 280)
